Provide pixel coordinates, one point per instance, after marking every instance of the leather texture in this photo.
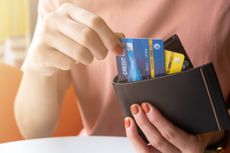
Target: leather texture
(183, 98)
(191, 99)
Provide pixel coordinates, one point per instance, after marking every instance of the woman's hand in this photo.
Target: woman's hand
(68, 36)
(163, 136)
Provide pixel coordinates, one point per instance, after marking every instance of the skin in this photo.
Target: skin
(82, 37)
(163, 136)
(54, 51)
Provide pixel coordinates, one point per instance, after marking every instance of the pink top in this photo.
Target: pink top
(202, 25)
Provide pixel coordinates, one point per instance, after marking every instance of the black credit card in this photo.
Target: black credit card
(174, 44)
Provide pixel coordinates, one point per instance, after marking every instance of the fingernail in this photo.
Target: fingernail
(120, 35)
(127, 122)
(134, 109)
(118, 50)
(145, 107)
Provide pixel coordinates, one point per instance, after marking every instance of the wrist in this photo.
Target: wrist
(215, 137)
(33, 69)
(218, 143)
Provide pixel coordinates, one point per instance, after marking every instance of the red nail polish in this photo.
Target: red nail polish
(127, 122)
(118, 50)
(145, 107)
(134, 109)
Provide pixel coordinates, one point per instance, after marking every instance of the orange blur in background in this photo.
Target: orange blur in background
(69, 122)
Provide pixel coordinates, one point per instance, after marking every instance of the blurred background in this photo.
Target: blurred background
(17, 22)
(17, 19)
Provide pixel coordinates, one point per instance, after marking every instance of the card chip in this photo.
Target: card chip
(170, 62)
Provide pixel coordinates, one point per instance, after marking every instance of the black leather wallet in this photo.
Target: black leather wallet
(191, 99)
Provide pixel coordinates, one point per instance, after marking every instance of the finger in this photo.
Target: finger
(49, 71)
(151, 133)
(120, 35)
(170, 132)
(71, 48)
(52, 58)
(135, 139)
(85, 36)
(95, 22)
(49, 61)
(46, 71)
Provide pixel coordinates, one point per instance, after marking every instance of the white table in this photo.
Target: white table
(70, 145)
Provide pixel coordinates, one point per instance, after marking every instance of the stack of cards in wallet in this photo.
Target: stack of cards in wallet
(146, 58)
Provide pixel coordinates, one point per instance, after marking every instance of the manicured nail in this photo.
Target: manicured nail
(127, 122)
(145, 107)
(120, 35)
(134, 109)
(118, 50)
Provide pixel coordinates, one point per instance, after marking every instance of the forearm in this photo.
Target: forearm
(37, 105)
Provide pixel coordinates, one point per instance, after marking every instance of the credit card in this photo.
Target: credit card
(174, 44)
(134, 64)
(173, 62)
(157, 47)
(145, 58)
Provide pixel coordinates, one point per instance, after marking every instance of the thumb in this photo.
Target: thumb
(119, 34)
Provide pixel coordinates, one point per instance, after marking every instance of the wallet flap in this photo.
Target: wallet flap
(181, 97)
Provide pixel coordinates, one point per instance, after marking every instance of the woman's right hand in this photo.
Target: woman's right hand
(68, 36)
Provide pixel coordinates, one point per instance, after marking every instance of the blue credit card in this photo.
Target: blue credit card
(158, 57)
(134, 64)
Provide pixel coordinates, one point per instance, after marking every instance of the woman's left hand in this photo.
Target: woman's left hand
(162, 135)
